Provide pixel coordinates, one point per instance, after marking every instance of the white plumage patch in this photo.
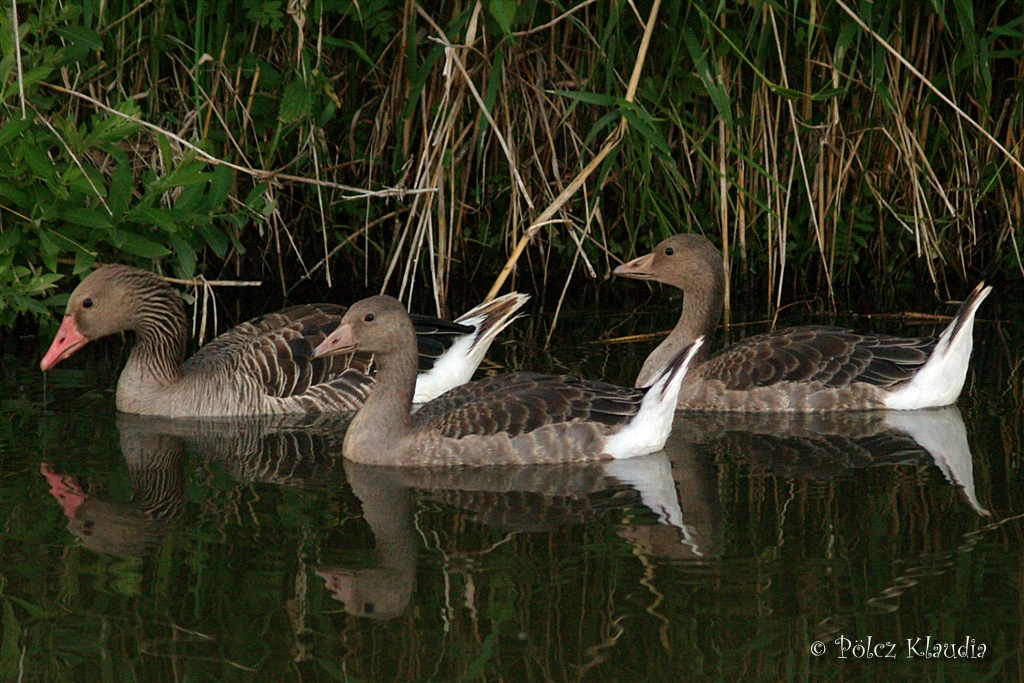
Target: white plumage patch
(650, 427)
(940, 380)
(457, 365)
(651, 477)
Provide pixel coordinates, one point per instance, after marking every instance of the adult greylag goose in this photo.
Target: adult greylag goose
(798, 369)
(522, 418)
(261, 367)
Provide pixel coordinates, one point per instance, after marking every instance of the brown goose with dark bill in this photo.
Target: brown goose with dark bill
(523, 418)
(798, 369)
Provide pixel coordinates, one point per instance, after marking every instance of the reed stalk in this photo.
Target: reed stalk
(412, 147)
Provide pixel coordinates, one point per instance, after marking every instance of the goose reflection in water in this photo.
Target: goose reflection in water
(518, 499)
(156, 471)
(821, 446)
(827, 446)
(680, 484)
(287, 451)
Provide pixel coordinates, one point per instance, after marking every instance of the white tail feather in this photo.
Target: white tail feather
(651, 476)
(457, 365)
(941, 379)
(650, 427)
(942, 433)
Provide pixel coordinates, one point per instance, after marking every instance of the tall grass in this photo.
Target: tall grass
(829, 148)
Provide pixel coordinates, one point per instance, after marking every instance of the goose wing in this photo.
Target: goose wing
(832, 356)
(274, 351)
(522, 402)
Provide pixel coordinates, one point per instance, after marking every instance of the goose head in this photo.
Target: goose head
(378, 325)
(689, 262)
(111, 299)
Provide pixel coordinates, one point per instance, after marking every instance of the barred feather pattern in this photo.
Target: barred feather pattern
(128, 528)
(261, 367)
(521, 402)
(155, 464)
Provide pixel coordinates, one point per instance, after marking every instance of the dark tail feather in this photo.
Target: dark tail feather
(967, 310)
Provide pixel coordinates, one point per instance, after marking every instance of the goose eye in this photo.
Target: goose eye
(369, 317)
(87, 302)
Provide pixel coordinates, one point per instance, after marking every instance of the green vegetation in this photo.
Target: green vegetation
(830, 147)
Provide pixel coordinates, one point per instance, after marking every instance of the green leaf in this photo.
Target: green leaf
(37, 160)
(166, 154)
(638, 123)
(13, 129)
(35, 611)
(590, 97)
(504, 12)
(603, 123)
(148, 215)
(351, 45)
(187, 173)
(111, 129)
(1006, 32)
(36, 75)
(89, 218)
(185, 254)
(715, 89)
(256, 200)
(491, 93)
(9, 239)
(120, 193)
(214, 237)
(49, 250)
(296, 102)
(143, 246)
(327, 112)
(81, 34)
(85, 180)
(84, 260)
(223, 178)
(9, 641)
(419, 72)
(191, 200)
(14, 195)
(827, 94)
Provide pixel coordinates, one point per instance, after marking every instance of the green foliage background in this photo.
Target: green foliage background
(409, 145)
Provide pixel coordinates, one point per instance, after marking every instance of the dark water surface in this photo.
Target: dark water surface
(843, 548)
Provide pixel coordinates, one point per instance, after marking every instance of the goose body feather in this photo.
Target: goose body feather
(798, 369)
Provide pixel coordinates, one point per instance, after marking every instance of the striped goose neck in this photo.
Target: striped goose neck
(160, 329)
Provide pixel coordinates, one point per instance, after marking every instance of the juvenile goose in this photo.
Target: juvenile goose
(523, 418)
(263, 366)
(799, 369)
